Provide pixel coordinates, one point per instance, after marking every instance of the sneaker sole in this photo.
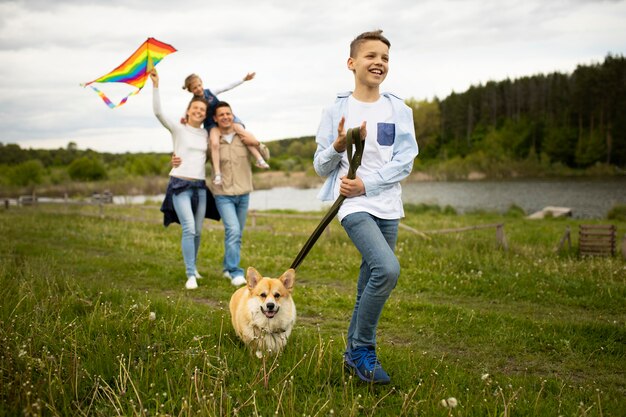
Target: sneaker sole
(352, 367)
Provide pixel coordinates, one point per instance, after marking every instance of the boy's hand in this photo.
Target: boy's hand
(340, 142)
(183, 121)
(176, 161)
(351, 188)
(363, 130)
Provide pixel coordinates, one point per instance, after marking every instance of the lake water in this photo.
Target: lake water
(586, 198)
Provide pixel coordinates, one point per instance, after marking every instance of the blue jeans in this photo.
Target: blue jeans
(191, 222)
(234, 210)
(375, 239)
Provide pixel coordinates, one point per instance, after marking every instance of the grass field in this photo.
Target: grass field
(94, 320)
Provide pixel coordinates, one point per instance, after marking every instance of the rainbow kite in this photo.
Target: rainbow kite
(135, 70)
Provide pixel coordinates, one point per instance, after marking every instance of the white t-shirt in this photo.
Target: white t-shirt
(228, 137)
(376, 153)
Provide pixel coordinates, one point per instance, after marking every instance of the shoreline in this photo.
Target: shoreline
(265, 180)
(300, 179)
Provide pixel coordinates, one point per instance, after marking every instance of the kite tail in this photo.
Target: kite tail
(108, 101)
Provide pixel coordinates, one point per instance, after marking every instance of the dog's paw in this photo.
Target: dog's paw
(259, 354)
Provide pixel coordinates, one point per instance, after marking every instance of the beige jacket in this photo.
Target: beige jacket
(235, 168)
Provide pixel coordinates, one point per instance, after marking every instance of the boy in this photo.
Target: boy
(373, 207)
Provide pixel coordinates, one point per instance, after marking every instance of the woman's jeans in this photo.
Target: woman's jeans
(375, 239)
(234, 210)
(191, 223)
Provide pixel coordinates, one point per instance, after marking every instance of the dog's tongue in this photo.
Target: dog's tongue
(270, 314)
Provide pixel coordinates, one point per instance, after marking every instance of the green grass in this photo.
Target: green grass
(524, 332)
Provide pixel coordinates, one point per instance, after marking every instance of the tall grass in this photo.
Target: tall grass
(94, 321)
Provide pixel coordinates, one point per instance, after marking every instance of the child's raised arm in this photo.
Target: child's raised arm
(249, 76)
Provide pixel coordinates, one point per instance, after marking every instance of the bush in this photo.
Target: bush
(143, 165)
(618, 212)
(58, 175)
(27, 173)
(87, 169)
(515, 211)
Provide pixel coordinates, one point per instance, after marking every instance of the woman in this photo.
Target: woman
(186, 191)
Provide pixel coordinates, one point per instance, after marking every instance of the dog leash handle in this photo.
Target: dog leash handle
(353, 138)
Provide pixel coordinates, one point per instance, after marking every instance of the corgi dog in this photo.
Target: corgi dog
(263, 312)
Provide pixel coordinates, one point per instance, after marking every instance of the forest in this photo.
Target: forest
(554, 121)
(577, 119)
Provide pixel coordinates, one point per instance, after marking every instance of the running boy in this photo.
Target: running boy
(193, 84)
(373, 207)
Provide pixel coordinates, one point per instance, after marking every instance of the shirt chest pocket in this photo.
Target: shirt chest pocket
(229, 153)
(240, 151)
(386, 134)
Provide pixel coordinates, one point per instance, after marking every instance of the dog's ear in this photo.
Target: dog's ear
(253, 277)
(288, 278)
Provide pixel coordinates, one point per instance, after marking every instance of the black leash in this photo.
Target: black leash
(353, 137)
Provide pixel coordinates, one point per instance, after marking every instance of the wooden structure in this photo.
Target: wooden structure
(500, 236)
(567, 238)
(597, 240)
(105, 198)
(551, 211)
(27, 200)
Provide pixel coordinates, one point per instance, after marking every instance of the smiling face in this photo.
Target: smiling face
(195, 87)
(370, 63)
(224, 118)
(196, 112)
(269, 293)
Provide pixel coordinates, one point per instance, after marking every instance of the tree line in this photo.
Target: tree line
(25, 167)
(576, 119)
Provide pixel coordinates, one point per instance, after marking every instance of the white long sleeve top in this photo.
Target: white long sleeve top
(190, 143)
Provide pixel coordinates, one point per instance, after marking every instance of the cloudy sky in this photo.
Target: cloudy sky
(297, 48)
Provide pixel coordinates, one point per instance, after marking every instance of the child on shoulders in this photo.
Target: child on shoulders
(193, 84)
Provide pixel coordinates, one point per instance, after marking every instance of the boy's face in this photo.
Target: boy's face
(371, 63)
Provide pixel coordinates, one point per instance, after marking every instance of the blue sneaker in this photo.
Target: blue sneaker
(363, 361)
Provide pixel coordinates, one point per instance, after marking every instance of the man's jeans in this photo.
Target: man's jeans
(233, 209)
(192, 225)
(375, 239)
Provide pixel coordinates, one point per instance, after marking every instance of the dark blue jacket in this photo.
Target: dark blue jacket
(178, 185)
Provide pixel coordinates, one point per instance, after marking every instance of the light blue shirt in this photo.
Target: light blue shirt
(327, 160)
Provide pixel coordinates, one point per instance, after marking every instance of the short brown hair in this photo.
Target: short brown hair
(222, 104)
(376, 35)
